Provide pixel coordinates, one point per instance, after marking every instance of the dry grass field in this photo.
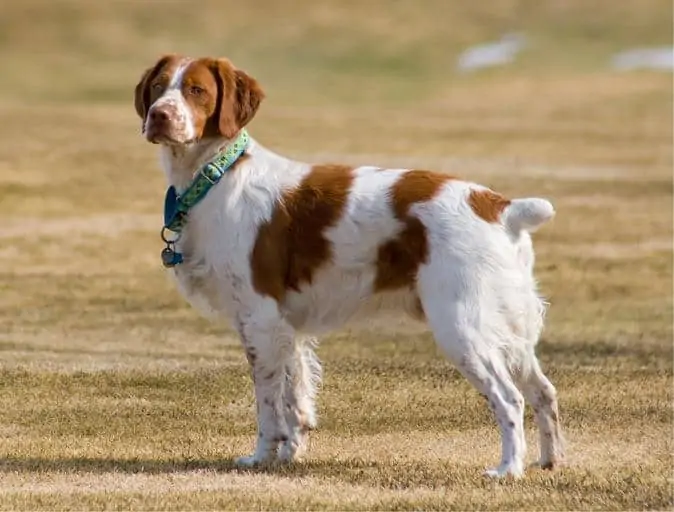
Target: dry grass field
(114, 394)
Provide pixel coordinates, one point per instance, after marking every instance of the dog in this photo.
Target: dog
(286, 250)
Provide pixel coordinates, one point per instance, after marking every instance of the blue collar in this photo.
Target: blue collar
(177, 207)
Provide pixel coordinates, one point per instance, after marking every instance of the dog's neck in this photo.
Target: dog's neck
(182, 163)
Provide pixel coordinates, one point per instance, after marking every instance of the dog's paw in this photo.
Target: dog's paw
(294, 448)
(504, 470)
(291, 451)
(549, 464)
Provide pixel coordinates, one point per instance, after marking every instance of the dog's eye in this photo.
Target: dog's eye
(157, 87)
(195, 90)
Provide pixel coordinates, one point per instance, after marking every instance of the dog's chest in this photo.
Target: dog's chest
(200, 285)
(212, 272)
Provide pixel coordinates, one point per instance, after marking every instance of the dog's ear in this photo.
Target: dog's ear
(142, 92)
(239, 96)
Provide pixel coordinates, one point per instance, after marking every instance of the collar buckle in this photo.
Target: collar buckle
(204, 175)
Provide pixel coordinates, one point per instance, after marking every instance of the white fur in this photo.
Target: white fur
(477, 290)
(175, 105)
(527, 214)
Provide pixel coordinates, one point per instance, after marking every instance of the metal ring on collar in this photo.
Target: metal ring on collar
(165, 239)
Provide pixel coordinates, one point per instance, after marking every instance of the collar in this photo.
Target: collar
(176, 207)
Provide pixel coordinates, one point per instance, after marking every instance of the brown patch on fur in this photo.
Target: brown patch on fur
(153, 82)
(223, 99)
(202, 93)
(238, 97)
(487, 205)
(292, 245)
(399, 258)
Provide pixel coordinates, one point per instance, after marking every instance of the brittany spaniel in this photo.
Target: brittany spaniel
(286, 250)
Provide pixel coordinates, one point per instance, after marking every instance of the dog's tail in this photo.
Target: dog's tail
(526, 214)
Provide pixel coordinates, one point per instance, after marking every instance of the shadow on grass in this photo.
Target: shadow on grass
(351, 471)
(601, 352)
(159, 466)
(107, 465)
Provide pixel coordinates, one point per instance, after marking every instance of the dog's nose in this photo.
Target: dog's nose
(158, 115)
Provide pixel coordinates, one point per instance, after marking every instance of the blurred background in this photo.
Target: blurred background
(105, 369)
(344, 75)
(568, 99)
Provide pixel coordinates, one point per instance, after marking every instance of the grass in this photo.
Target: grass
(116, 395)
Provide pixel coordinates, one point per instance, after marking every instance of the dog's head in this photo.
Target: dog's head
(183, 100)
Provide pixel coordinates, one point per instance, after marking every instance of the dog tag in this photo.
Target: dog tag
(170, 258)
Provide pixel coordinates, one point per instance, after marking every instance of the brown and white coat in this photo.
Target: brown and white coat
(286, 250)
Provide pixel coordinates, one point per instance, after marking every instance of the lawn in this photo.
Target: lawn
(115, 394)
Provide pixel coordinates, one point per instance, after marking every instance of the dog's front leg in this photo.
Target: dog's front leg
(303, 375)
(268, 341)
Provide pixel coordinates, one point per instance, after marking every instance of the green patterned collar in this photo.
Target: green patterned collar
(177, 207)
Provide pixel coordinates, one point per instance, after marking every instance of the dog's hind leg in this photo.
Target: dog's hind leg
(456, 320)
(303, 375)
(488, 373)
(484, 367)
(535, 386)
(542, 396)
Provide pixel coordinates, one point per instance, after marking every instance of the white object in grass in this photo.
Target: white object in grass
(661, 58)
(497, 53)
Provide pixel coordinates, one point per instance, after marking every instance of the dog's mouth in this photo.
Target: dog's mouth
(163, 138)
